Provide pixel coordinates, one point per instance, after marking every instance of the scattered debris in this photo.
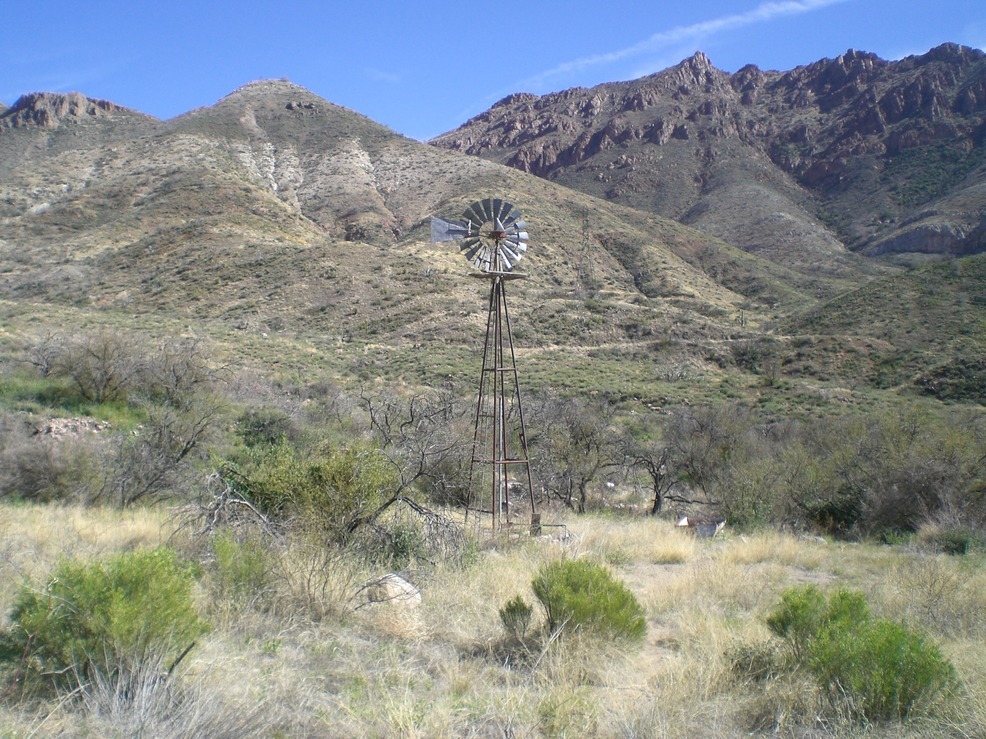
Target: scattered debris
(60, 428)
(703, 528)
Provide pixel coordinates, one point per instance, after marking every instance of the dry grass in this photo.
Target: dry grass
(621, 541)
(299, 667)
(34, 537)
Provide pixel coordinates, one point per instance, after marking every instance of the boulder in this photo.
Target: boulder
(392, 589)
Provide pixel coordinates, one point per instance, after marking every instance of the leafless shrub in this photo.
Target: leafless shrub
(425, 438)
(315, 578)
(175, 372)
(406, 532)
(223, 509)
(107, 366)
(153, 461)
(45, 468)
(103, 366)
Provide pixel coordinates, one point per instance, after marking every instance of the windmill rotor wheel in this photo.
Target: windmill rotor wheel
(495, 238)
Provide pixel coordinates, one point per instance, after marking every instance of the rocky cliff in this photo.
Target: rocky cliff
(842, 153)
(50, 110)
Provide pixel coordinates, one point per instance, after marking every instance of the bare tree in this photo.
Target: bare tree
(423, 436)
(103, 366)
(176, 371)
(656, 461)
(571, 442)
(153, 461)
(45, 352)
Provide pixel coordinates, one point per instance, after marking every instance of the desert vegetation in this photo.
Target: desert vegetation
(237, 385)
(191, 548)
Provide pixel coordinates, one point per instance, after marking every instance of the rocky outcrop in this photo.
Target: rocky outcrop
(870, 136)
(951, 239)
(50, 110)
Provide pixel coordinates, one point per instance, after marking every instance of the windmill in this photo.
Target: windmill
(493, 238)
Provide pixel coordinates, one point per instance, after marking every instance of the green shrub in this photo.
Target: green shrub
(264, 426)
(583, 595)
(804, 615)
(953, 541)
(242, 573)
(872, 668)
(516, 617)
(885, 670)
(394, 544)
(325, 490)
(103, 619)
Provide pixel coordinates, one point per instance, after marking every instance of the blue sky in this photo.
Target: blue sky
(424, 68)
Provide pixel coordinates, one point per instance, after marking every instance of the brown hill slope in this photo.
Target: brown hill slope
(293, 235)
(854, 153)
(275, 211)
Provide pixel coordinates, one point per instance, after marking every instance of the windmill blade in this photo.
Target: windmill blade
(492, 234)
(474, 214)
(509, 214)
(490, 208)
(442, 230)
(511, 218)
(511, 256)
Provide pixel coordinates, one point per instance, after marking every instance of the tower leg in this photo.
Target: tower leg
(499, 435)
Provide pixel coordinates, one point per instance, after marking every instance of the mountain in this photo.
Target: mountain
(276, 212)
(809, 167)
(292, 235)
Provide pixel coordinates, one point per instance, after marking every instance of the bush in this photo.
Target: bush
(326, 491)
(954, 541)
(103, 619)
(242, 572)
(873, 668)
(46, 470)
(585, 596)
(516, 617)
(264, 426)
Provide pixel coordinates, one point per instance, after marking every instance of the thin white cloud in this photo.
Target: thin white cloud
(382, 76)
(682, 34)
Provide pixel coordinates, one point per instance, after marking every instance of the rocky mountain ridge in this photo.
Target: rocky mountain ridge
(851, 153)
(50, 110)
(276, 213)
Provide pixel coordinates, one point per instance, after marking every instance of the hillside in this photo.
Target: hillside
(805, 167)
(926, 327)
(275, 212)
(292, 234)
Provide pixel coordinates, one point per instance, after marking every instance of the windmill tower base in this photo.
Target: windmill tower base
(499, 438)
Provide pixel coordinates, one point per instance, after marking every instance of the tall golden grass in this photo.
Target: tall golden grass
(292, 666)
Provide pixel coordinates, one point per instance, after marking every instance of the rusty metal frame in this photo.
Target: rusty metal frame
(499, 434)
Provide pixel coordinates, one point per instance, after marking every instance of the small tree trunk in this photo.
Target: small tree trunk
(658, 502)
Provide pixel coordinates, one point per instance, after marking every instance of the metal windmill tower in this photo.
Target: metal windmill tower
(493, 238)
